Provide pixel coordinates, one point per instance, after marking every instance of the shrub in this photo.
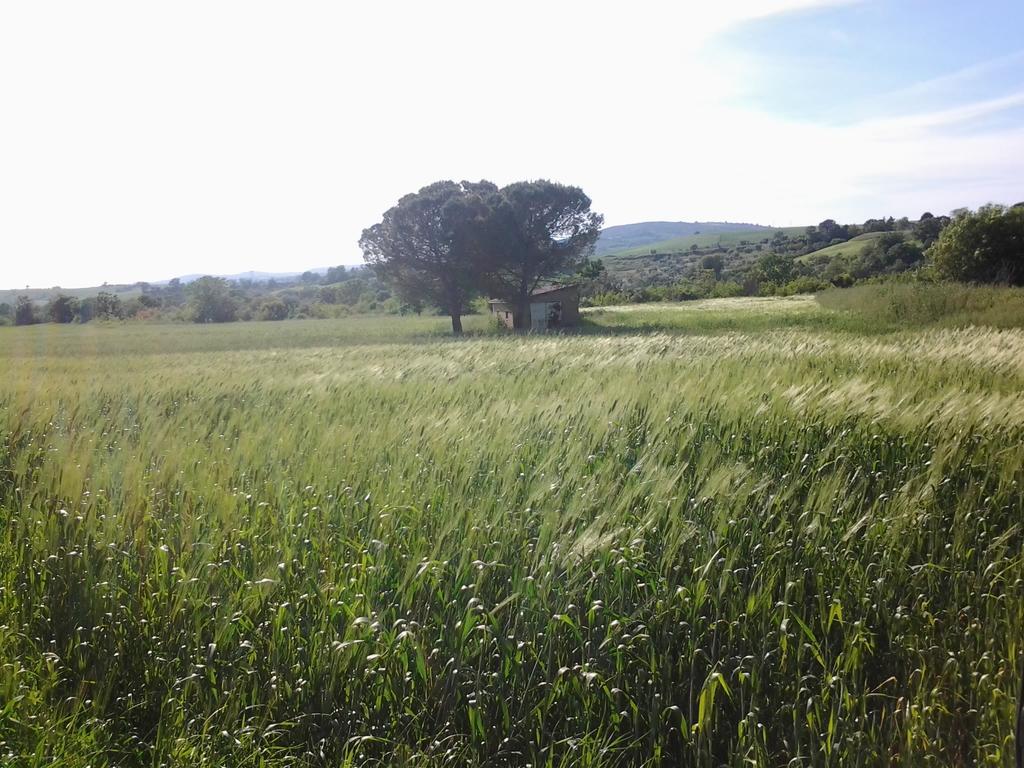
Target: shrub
(62, 308)
(986, 246)
(24, 312)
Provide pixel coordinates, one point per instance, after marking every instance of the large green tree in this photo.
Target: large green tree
(984, 246)
(24, 311)
(210, 301)
(534, 231)
(427, 246)
(929, 227)
(108, 306)
(62, 308)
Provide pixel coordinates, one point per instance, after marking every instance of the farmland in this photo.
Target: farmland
(737, 532)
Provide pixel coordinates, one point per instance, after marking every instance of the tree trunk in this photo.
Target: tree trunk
(520, 317)
(456, 324)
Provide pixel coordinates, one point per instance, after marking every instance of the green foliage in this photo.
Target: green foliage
(889, 253)
(304, 544)
(776, 267)
(929, 227)
(985, 246)
(24, 311)
(271, 309)
(591, 269)
(62, 308)
(210, 301)
(426, 246)
(714, 262)
(108, 306)
(533, 232)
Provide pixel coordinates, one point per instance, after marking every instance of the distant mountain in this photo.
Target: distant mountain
(625, 236)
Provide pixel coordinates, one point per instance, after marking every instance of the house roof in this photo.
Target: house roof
(540, 292)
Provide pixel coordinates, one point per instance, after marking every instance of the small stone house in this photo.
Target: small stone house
(550, 308)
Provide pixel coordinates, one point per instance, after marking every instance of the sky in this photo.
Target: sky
(139, 141)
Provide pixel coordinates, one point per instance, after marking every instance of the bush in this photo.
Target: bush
(986, 246)
(24, 312)
(272, 309)
(211, 302)
(62, 309)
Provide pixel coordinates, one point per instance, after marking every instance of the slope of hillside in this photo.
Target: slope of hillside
(852, 247)
(40, 295)
(668, 260)
(646, 233)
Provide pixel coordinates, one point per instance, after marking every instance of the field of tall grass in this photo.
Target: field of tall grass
(922, 304)
(777, 542)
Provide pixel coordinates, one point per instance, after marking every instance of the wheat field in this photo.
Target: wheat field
(728, 541)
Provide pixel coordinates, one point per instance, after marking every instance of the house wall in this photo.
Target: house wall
(569, 298)
(503, 312)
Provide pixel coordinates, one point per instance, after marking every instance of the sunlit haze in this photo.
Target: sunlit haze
(140, 141)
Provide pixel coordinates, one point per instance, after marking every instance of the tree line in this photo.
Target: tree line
(341, 291)
(967, 246)
(451, 242)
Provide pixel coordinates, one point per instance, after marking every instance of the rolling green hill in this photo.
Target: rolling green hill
(703, 240)
(644, 234)
(668, 260)
(42, 295)
(852, 247)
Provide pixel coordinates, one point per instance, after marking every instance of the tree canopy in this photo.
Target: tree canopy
(210, 301)
(450, 242)
(62, 308)
(535, 231)
(984, 246)
(426, 245)
(24, 312)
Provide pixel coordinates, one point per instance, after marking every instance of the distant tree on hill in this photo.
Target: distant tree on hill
(715, 263)
(107, 306)
(929, 227)
(210, 301)
(103, 305)
(591, 269)
(424, 246)
(832, 231)
(879, 225)
(889, 253)
(534, 231)
(986, 246)
(272, 308)
(24, 312)
(335, 275)
(776, 268)
(62, 308)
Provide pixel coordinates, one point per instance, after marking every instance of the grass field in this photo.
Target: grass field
(851, 248)
(739, 532)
